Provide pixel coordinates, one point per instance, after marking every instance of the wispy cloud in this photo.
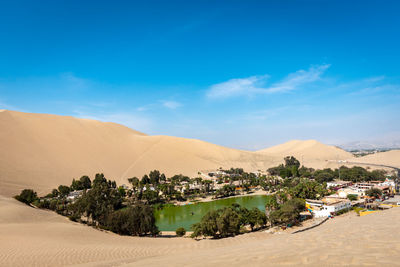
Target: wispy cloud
(258, 84)
(237, 87)
(297, 79)
(370, 86)
(171, 104)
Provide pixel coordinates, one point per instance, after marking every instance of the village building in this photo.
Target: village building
(327, 206)
(74, 195)
(338, 184)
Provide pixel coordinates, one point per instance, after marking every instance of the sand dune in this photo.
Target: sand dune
(389, 158)
(313, 153)
(32, 237)
(42, 151)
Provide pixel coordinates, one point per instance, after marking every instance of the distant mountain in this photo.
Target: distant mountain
(371, 145)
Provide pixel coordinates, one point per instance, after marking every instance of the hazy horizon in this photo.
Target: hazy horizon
(242, 75)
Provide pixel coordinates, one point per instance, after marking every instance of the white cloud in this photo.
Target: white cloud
(171, 104)
(297, 79)
(237, 87)
(257, 84)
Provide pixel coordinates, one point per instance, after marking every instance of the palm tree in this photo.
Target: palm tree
(134, 181)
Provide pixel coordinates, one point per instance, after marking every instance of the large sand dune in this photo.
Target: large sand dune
(32, 237)
(42, 151)
(311, 152)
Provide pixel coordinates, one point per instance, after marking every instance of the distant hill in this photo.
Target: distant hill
(371, 145)
(313, 153)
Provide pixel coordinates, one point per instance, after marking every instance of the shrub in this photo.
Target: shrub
(352, 197)
(27, 196)
(288, 213)
(180, 231)
(228, 221)
(374, 192)
(134, 220)
(64, 190)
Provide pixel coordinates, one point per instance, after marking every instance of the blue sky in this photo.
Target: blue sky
(243, 74)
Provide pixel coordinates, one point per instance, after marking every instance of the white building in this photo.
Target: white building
(327, 207)
(338, 206)
(338, 184)
(74, 195)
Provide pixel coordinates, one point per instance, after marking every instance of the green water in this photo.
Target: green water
(171, 218)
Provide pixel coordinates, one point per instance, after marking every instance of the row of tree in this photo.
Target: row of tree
(102, 205)
(291, 168)
(228, 221)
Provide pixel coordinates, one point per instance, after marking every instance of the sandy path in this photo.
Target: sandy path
(31, 237)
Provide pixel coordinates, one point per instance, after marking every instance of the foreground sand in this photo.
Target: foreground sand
(31, 237)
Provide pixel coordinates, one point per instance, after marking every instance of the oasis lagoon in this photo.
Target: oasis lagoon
(172, 217)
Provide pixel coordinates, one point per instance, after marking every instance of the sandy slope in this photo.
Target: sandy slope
(389, 158)
(32, 237)
(42, 151)
(313, 153)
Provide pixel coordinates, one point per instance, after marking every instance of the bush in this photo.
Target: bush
(27, 196)
(352, 197)
(374, 192)
(134, 220)
(64, 190)
(343, 211)
(228, 221)
(288, 213)
(180, 231)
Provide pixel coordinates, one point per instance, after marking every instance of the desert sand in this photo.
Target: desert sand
(389, 158)
(32, 237)
(311, 152)
(41, 151)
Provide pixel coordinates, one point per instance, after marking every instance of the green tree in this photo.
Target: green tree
(271, 204)
(180, 231)
(291, 161)
(228, 222)
(100, 201)
(209, 226)
(352, 197)
(374, 192)
(256, 218)
(145, 180)
(27, 196)
(155, 177)
(288, 213)
(134, 181)
(76, 185)
(64, 190)
(86, 182)
(134, 220)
